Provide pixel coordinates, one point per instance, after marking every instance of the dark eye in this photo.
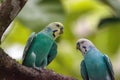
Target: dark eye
(57, 25)
(82, 42)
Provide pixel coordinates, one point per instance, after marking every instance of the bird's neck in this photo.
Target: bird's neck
(48, 31)
(92, 52)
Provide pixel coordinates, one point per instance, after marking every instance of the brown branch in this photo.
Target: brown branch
(9, 68)
(8, 11)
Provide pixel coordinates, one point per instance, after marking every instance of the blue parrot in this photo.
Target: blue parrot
(95, 66)
(41, 48)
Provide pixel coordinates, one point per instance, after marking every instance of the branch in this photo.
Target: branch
(9, 68)
(8, 11)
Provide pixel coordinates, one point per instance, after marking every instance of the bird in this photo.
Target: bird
(41, 47)
(95, 65)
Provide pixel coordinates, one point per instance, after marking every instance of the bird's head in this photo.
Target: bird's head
(57, 28)
(84, 45)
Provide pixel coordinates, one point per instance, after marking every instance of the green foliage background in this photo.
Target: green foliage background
(81, 18)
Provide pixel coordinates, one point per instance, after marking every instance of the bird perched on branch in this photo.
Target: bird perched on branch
(95, 66)
(41, 48)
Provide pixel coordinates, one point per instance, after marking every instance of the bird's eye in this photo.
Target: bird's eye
(82, 42)
(57, 25)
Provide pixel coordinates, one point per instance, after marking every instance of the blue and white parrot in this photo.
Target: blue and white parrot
(95, 66)
(41, 48)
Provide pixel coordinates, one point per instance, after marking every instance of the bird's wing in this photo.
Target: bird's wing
(109, 66)
(52, 53)
(83, 71)
(29, 41)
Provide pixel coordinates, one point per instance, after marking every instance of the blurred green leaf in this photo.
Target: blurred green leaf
(111, 20)
(112, 30)
(1, 1)
(18, 34)
(113, 4)
(39, 13)
(92, 10)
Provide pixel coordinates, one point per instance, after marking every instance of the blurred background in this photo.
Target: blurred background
(96, 20)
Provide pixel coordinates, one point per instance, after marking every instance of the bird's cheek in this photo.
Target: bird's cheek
(57, 33)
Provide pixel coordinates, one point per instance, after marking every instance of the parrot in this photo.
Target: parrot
(41, 47)
(95, 65)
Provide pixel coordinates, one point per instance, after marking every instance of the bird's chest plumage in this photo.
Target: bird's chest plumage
(41, 46)
(96, 66)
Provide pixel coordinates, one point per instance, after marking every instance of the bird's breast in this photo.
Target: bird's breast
(96, 67)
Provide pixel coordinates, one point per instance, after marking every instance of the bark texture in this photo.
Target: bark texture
(11, 70)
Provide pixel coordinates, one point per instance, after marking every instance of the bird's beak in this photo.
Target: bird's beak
(78, 46)
(61, 30)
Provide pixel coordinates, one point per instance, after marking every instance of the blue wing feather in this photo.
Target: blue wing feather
(29, 41)
(52, 53)
(109, 66)
(83, 71)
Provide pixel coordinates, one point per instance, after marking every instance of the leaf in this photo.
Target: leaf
(39, 13)
(107, 21)
(107, 38)
(113, 4)
(86, 12)
(1, 1)
(18, 34)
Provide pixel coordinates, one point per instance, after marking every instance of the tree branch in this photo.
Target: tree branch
(8, 11)
(9, 68)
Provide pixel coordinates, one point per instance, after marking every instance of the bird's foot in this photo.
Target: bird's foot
(39, 69)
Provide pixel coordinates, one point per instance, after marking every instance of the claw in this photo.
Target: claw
(39, 69)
